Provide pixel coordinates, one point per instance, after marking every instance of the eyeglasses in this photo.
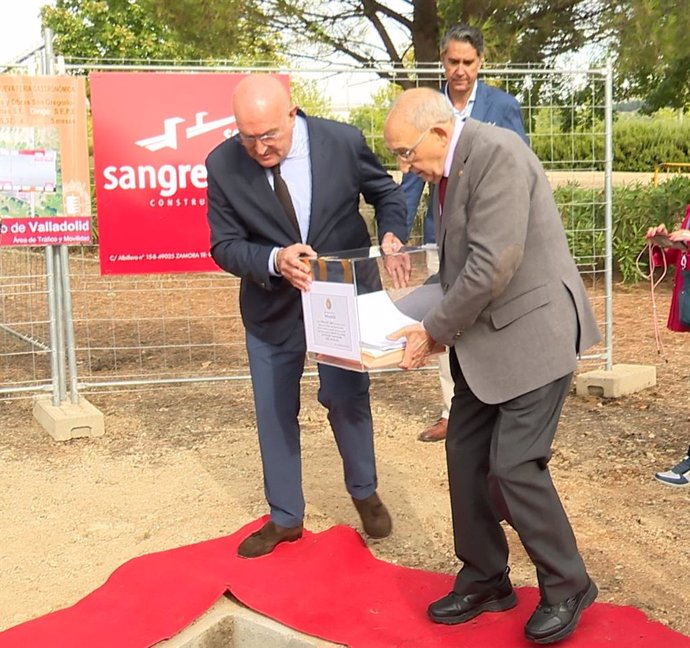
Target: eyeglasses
(266, 138)
(408, 154)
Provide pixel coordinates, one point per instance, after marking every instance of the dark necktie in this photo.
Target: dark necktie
(283, 195)
(442, 192)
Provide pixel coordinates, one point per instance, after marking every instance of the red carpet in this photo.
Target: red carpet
(327, 584)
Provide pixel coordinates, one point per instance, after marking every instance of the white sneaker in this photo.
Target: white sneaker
(679, 475)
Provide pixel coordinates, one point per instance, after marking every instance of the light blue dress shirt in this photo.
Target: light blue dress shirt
(467, 110)
(296, 171)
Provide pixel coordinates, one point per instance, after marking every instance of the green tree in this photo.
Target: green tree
(653, 53)
(531, 31)
(309, 97)
(370, 118)
(160, 30)
(171, 31)
(380, 33)
(224, 29)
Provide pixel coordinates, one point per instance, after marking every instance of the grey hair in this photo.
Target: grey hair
(464, 34)
(429, 108)
(436, 110)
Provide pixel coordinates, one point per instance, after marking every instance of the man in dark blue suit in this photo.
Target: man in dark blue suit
(462, 55)
(260, 234)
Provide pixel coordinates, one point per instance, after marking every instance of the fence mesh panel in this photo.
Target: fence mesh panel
(148, 329)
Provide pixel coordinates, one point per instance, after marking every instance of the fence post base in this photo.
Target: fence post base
(68, 420)
(621, 380)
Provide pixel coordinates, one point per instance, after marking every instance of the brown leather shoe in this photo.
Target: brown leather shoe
(435, 432)
(264, 540)
(375, 518)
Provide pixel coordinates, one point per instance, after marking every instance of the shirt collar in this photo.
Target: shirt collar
(467, 110)
(300, 139)
(457, 129)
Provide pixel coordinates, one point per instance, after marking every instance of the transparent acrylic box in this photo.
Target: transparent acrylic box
(354, 304)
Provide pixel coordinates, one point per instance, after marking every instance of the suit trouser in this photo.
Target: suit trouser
(444, 375)
(276, 371)
(413, 187)
(497, 469)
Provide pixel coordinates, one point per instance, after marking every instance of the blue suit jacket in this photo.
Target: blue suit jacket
(497, 107)
(247, 221)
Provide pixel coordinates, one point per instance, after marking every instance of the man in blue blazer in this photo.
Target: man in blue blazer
(462, 55)
(260, 234)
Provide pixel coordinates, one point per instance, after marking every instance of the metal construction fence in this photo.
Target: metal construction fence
(66, 329)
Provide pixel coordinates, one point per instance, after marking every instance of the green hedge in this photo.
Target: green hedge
(640, 143)
(635, 208)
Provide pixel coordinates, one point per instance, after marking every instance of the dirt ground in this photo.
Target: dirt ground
(180, 465)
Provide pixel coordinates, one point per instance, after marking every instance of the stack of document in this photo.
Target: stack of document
(374, 317)
(378, 318)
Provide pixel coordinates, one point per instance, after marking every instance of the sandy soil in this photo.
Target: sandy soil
(180, 465)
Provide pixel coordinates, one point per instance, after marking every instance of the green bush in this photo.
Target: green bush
(640, 142)
(370, 119)
(567, 138)
(635, 208)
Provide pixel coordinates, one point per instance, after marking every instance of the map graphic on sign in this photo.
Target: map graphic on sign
(30, 171)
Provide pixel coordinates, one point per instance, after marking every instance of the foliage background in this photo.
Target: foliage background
(635, 208)
(646, 39)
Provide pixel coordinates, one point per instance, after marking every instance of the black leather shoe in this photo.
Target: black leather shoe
(266, 539)
(458, 608)
(551, 623)
(374, 515)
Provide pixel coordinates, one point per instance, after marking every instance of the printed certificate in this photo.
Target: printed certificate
(330, 319)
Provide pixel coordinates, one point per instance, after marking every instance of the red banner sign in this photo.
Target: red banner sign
(152, 133)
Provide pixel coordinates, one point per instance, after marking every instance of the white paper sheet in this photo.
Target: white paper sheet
(378, 316)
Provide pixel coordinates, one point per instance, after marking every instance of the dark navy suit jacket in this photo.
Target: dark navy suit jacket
(247, 221)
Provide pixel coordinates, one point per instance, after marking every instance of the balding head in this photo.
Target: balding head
(418, 130)
(420, 108)
(265, 117)
(260, 93)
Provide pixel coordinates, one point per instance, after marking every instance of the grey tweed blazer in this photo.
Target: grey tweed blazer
(514, 308)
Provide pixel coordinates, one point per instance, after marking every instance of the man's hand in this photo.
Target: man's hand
(398, 266)
(418, 347)
(292, 265)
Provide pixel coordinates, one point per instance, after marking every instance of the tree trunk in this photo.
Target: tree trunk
(425, 37)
